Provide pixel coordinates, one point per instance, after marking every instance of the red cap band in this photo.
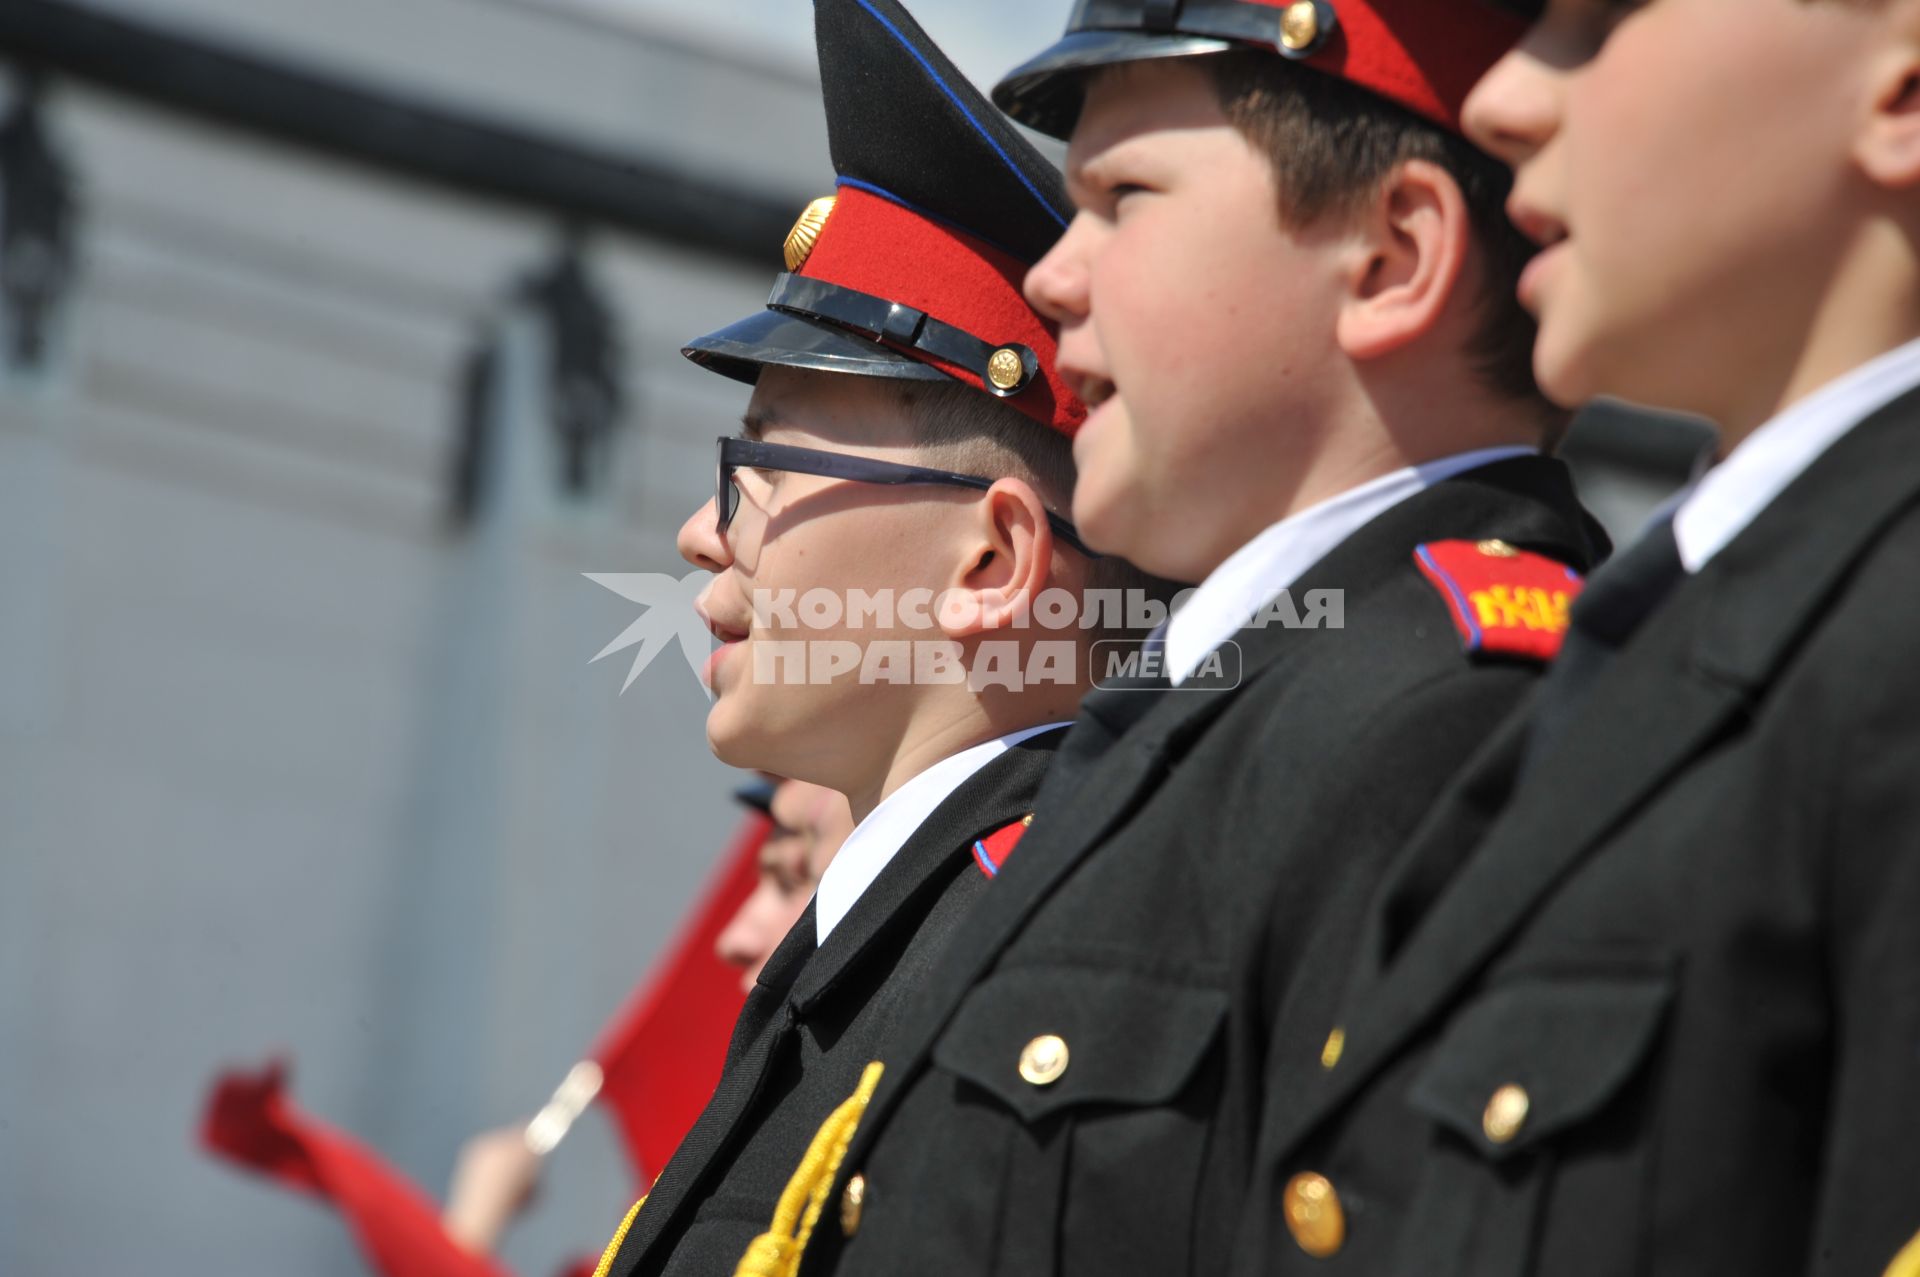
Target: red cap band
(1423, 54)
(874, 245)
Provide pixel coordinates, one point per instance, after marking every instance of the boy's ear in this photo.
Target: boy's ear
(1888, 148)
(1412, 243)
(1009, 562)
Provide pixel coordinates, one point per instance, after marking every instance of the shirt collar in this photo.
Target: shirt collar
(875, 841)
(1732, 494)
(1254, 574)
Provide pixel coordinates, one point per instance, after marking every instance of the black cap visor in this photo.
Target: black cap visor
(742, 349)
(758, 795)
(1045, 93)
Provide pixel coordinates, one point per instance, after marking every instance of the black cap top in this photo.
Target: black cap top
(901, 116)
(1423, 55)
(913, 269)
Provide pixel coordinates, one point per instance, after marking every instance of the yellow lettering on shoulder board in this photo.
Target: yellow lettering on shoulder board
(1522, 607)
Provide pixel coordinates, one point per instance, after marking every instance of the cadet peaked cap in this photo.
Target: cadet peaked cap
(1424, 55)
(757, 794)
(912, 268)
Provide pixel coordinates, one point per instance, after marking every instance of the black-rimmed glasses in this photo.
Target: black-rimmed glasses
(753, 454)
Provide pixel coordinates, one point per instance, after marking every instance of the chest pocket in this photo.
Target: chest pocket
(1511, 1087)
(1047, 1038)
(1105, 1077)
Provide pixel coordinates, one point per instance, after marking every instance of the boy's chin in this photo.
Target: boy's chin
(732, 741)
(1565, 371)
(1113, 524)
(1100, 513)
(765, 734)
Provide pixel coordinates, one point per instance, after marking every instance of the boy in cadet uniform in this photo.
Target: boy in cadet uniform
(1287, 300)
(882, 536)
(1662, 1014)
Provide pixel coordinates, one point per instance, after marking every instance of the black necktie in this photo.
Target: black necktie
(1621, 595)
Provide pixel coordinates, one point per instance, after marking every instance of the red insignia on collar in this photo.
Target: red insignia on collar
(992, 851)
(1504, 602)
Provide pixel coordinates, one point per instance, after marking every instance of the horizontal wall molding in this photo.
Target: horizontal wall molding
(392, 132)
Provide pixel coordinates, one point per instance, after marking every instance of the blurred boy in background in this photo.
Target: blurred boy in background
(497, 1172)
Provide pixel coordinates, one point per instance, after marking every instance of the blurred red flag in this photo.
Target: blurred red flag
(250, 1120)
(661, 1056)
(660, 1059)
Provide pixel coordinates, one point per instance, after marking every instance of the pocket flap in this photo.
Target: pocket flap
(1525, 1060)
(1122, 1037)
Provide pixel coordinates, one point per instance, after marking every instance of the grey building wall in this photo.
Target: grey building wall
(287, 762)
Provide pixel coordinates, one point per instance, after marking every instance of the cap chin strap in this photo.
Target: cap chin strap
(1004, 369)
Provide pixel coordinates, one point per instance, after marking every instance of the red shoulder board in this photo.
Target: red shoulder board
(992, 851)
(1504, 602)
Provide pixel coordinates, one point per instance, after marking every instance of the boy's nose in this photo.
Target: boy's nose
(1056, 286)
(701, 542)
(1514, 109)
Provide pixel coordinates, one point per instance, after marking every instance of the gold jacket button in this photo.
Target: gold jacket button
(1044, 1059)
(1314, 1215)
(1506, 1114)
(852, 1198)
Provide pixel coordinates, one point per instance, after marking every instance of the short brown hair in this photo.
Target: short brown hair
(959, 428)
(1332, 144)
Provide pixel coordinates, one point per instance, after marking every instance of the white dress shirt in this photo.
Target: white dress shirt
(1733, 493)
(1254, 575)
(876, 840)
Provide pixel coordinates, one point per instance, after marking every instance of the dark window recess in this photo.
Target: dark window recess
(584, 395)
(38, 239)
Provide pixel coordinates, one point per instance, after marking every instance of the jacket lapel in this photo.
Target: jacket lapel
(1707, 655)
(756, 1036)
(799, 974)
(784, 965)
(1001, 792)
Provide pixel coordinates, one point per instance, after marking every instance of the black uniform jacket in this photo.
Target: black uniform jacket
(812, 1024)
(1685, 958)
(1187, 847)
